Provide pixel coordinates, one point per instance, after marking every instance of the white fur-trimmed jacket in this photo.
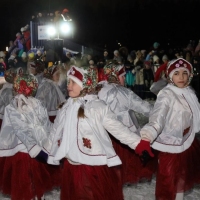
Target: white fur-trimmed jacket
(50, 95)
(25, 127)
(174, 120)
(85, 140)
(124, 102)
(6, 95)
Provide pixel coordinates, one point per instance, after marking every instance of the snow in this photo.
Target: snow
(140, 191)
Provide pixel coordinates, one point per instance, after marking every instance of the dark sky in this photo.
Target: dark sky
(136, 24)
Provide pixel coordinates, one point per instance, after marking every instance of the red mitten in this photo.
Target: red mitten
(143, 146)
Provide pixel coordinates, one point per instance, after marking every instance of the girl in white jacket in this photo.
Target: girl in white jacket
(124, 103)
(25, 129)
(173, 123)
(79, 139)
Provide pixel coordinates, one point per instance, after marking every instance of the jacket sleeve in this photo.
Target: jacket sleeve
(52, 144)
(139, 105)
(117, 129)
(32, 125)
(24, 132)
(157, 118)
(55, 136)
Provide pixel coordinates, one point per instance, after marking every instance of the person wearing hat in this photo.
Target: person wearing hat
(2, 66)
(37, 69)
(6, 92)
(165, 58)
(117, 57)
(148, 80)
(19, 42)
(124, 103)
(24, 133)
(106, 56)
(27, 38)
(38, 55)
(160, 79)
(156, 63)
(90, 167)
(172, 126)
(30, 60)
(49, 92)
(65, 15)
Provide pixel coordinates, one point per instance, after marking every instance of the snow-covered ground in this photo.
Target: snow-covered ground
(140, 191)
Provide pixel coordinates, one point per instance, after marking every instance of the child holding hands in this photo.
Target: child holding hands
(90, 169)
(173, 123)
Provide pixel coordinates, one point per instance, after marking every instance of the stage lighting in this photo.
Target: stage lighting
(51, 31)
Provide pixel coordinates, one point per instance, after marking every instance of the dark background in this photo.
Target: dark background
(136, 24)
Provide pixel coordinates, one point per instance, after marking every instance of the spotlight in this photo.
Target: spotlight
(66, 27)
(51, 31)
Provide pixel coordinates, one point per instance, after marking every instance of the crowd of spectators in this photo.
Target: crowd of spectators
(141, 64)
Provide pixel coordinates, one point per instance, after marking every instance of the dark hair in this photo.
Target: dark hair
(81, 113)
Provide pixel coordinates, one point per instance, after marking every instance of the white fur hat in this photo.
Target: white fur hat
(76, 74)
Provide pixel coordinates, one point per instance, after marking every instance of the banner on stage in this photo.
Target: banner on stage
(42, 33)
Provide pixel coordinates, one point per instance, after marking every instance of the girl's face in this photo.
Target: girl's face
(73, 88)
(180, 78)
(56, 76)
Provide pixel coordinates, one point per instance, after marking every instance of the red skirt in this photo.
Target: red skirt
(132, 169)
(178, 173)
(2, 163)
(90, 182)
(25, 178)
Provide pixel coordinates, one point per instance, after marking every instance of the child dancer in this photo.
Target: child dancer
(172, 126)
(6, 92)
(37, 69)
(23, 135)
(79, 137)
(49, 92)
(124, 103)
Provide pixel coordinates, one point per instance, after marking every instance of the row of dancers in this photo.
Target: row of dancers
(92, 144)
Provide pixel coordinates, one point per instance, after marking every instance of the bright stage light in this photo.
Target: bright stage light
(66, 27)
(51, 31)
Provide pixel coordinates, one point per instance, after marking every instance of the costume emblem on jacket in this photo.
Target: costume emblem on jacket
(87, 143)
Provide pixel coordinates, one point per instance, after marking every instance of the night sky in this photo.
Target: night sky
(136, 24)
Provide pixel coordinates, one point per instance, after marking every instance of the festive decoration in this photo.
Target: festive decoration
(177, 64)
(48, 73)
(87, 143)
(113, 70)
(86, 78)
(25, 84)
(90, 80)
(11, 73)
(38, 66)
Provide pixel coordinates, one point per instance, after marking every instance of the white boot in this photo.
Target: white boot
(179, 196)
